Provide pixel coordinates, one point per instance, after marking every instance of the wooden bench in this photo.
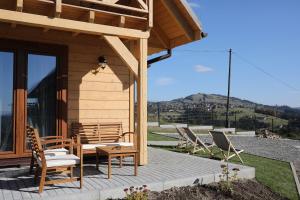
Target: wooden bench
(92, 135)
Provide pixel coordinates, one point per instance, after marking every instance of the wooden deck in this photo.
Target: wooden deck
(165, 170)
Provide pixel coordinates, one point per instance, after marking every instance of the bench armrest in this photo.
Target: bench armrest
(52, 137)
(127, 133)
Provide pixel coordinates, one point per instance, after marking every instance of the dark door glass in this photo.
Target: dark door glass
(6, 100)
(41, 93)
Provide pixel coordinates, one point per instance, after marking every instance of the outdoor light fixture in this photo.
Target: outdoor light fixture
(102, 62)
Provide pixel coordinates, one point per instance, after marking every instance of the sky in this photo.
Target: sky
(265, 39)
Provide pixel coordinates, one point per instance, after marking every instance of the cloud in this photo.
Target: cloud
(203, 69)
(164, 81)
(194, 5)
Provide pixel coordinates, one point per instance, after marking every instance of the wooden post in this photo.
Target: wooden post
(131, 94)
(19, 6)
(58, 8)
(142, 102)
(150, 16)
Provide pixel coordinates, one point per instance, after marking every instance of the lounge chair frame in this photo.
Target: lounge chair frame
(227, 147)
(183, 140)
(198, 144)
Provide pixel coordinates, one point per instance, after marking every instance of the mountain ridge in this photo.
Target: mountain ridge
(220, 101)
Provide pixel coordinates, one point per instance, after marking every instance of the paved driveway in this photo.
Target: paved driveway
(281, 149)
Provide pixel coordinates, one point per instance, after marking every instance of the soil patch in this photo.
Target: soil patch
(241, 190)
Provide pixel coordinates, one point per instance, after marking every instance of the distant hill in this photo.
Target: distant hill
(210, 109)
(214, 99)
(218, 102)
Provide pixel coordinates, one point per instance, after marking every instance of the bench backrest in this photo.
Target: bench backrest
(93, 133)
(110, 132)
(88, 132)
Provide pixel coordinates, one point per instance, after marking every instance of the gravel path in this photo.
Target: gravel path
(281, 149)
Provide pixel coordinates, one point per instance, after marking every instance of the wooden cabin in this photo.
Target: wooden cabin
(82, 60)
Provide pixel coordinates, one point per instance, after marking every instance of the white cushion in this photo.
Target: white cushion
(113, 144)
(121, 144)
(92, 146)
(56, 152)
(62, 160)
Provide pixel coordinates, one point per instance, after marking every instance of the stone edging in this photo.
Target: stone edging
(295, 178)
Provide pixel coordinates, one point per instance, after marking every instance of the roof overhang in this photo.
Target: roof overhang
(175, 24)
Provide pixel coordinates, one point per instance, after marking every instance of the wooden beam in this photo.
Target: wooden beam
(142, 102)
(142, 4)
(127, 57)
(45, 30)
(161, 36)
(69, 25)
(119, 21)
(57, 8)
(91, 16)
(181, 21)
(19, 6)
(131, 93)
(150, 15)
(122, 21)
(13, 25)
(115, 6)
(75, 34)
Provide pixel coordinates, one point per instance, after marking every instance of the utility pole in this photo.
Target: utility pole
(228, 89)
(158, 113)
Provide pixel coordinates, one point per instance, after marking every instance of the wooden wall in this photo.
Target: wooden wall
(103, 96)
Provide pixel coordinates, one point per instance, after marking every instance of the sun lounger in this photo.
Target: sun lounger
(183, 138)
(197, 143)
(224, 144)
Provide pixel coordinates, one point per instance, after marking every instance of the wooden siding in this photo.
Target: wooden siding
(100, 97)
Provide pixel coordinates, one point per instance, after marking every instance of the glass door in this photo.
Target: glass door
(41, 93)
(6, 102)
(33, 91)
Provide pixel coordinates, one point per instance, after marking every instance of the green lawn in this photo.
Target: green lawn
(275, 174)
(157, 137)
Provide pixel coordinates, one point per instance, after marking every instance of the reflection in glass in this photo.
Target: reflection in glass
(41, 93)
(6, 101)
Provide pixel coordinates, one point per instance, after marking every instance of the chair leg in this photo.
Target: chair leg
(81, 176)
(31, 164)
(121, 161)
(42, 180)
(225, 157)
(36, 174)
(239, 157)
(71, 172)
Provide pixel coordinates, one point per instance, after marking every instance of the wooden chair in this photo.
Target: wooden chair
(53, 145)
(197, 143)
(92, 135)
(224, 144)
(54, 163)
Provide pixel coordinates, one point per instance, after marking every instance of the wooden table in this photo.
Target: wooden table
(116, 152)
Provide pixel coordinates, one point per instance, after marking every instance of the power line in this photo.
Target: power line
(265, 72)
(286, 84)
(202, 51)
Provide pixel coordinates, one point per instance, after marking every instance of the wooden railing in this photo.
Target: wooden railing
(140, 9)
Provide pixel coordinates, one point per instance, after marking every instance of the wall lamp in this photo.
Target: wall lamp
(102, 62)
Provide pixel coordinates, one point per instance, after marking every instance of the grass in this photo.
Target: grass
(157, 137)
(173, 130)
(275, 174)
